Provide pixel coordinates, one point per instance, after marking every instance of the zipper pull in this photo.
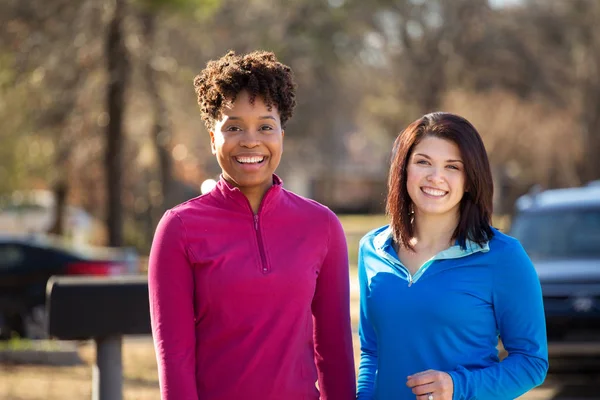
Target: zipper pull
(410, 281)
(256, 221)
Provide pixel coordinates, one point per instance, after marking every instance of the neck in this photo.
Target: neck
(254, 194)
(434, 231)
(255, 197)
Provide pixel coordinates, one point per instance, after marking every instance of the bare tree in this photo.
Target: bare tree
(118, 69)
(51, 61)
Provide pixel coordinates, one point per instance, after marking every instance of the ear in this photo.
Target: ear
(212, 142)
(282, 134)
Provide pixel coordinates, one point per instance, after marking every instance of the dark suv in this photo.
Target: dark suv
(560, 230)
(26, 264)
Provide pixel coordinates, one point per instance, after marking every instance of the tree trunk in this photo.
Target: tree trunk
(118, 76)
(591, 128)
(161, 132)
(60, 208)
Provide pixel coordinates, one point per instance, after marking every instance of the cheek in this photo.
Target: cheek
(218, 150)
(225, 145)
(413, 182)
(459, 184)
(412, 177)
(276, 148)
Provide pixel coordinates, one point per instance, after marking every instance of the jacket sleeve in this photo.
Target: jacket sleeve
(368, 343)
(331, 317)
(519, 311)
(171, 288)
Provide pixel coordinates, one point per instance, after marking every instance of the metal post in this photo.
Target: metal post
(107, 376)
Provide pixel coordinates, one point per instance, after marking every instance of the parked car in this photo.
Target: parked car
(26, 264)
(560, 230)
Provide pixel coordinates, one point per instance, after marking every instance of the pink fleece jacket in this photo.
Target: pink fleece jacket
(248, 306)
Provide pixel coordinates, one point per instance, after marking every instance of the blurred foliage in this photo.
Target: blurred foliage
(200, 9)
(527, 75)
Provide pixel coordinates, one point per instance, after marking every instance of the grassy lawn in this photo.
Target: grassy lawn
(356, 226)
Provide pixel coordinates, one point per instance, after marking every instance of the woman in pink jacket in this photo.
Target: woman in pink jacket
(249, 288)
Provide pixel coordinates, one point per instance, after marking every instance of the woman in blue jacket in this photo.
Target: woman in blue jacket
(439, 285)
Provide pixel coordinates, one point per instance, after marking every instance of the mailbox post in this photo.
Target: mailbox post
(107, 375)
(102, 309)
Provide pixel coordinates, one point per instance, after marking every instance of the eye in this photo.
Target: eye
(266, 128)
(453, 167)
(233, 128)
(422, 162)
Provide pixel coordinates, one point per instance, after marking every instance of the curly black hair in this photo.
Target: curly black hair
(258, 72)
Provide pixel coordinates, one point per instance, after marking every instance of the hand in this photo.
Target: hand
(435, 383)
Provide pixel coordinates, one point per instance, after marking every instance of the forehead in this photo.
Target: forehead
(436, 147)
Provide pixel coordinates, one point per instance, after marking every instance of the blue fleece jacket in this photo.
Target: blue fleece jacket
(447, 317)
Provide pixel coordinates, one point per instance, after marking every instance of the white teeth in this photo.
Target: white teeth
(433, 192)
(249, 160)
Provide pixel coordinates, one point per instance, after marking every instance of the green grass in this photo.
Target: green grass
(361, 224)
(19, 344)
(356, 226)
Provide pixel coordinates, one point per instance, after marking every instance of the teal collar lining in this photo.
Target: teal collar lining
(383, 246)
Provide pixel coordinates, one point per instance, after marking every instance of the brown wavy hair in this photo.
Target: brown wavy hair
(476, 205)
(258, 72)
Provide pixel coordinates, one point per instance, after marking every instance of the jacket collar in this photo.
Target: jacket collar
(231, 192)
(383, 240)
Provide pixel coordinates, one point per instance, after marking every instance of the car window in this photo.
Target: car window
(10, 256)
(559, 233)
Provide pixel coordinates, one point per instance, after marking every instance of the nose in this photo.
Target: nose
(436, 175)
(250, 139)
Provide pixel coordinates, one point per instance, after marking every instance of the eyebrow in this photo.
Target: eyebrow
(429, 158)
(234, 118)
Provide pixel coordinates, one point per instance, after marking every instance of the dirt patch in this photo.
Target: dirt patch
(31, 382)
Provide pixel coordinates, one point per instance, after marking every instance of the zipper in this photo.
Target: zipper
(261, 248)
(264, 266)
(397, 263)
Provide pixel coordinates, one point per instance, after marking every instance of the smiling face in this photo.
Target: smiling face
(248, 142)
(436, 177)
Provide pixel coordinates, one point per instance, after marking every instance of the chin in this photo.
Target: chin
(438, 210)
(433, 212)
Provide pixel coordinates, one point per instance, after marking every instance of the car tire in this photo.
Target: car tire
(5, 331)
